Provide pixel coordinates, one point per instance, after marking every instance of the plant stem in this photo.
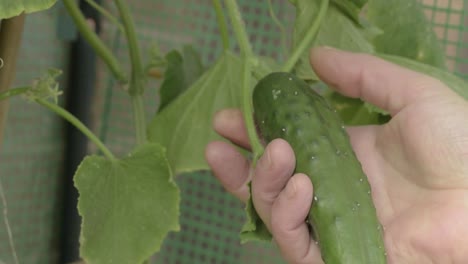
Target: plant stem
(306, 42)
(284, 40)
(79, 125)
(222, 24)
(10, 41)
(93, 39)
(247, 58)
(139, 119)
(106, 14)
(13, 92)
(138, 78)
(7, 224)
(247, 110)
(138, 75)
(239, 28)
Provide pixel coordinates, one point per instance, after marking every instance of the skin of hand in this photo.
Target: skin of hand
(417, 164)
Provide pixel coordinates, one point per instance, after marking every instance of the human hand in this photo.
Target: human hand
(417, 164)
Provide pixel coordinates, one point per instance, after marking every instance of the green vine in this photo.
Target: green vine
(78, 124)
(307, 41)
(282, 29)
(13, 92)
(248, 59)
(222, 24)
(138, 77)
(106, 14)
(93, 39)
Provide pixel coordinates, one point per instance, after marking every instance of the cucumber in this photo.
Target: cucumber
(342, 216)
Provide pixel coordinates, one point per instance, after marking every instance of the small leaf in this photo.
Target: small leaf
(404, 22)
(185, 126)
(11, 8)
(181, 72)
(128, 206)
(193, 66)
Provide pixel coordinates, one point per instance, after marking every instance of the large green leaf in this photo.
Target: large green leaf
(185, 126)
(338, 30)
(128, 206)
(11, 8)
(181, 72)
(406, 31)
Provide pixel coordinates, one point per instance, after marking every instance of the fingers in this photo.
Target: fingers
(229, 123)
(374, 80)
(230, 167)
(282, 201)
(272, 172)
(288, 225)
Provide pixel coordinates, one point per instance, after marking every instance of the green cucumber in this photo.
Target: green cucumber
(342, 216)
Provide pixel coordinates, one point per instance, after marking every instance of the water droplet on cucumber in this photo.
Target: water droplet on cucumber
(275, 94)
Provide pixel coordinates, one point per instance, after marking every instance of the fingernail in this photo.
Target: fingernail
(290, 189)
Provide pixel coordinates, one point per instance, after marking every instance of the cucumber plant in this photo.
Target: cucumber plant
(121, 221)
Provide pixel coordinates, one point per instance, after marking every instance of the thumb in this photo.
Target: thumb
(372, 79)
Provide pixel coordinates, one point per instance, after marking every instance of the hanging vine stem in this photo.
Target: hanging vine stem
(106, 14)
(94, 41)
(138, 77)
(221, 24)
(248, 61)
(283, 35)
(307, 41)
(7, 223)
(78, 124)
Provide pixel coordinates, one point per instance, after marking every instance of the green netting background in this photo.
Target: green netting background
(31, 155)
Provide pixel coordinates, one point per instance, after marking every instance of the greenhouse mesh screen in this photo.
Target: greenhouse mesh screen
(30, 162)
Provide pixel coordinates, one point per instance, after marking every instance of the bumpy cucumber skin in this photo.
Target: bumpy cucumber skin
(342, 215)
